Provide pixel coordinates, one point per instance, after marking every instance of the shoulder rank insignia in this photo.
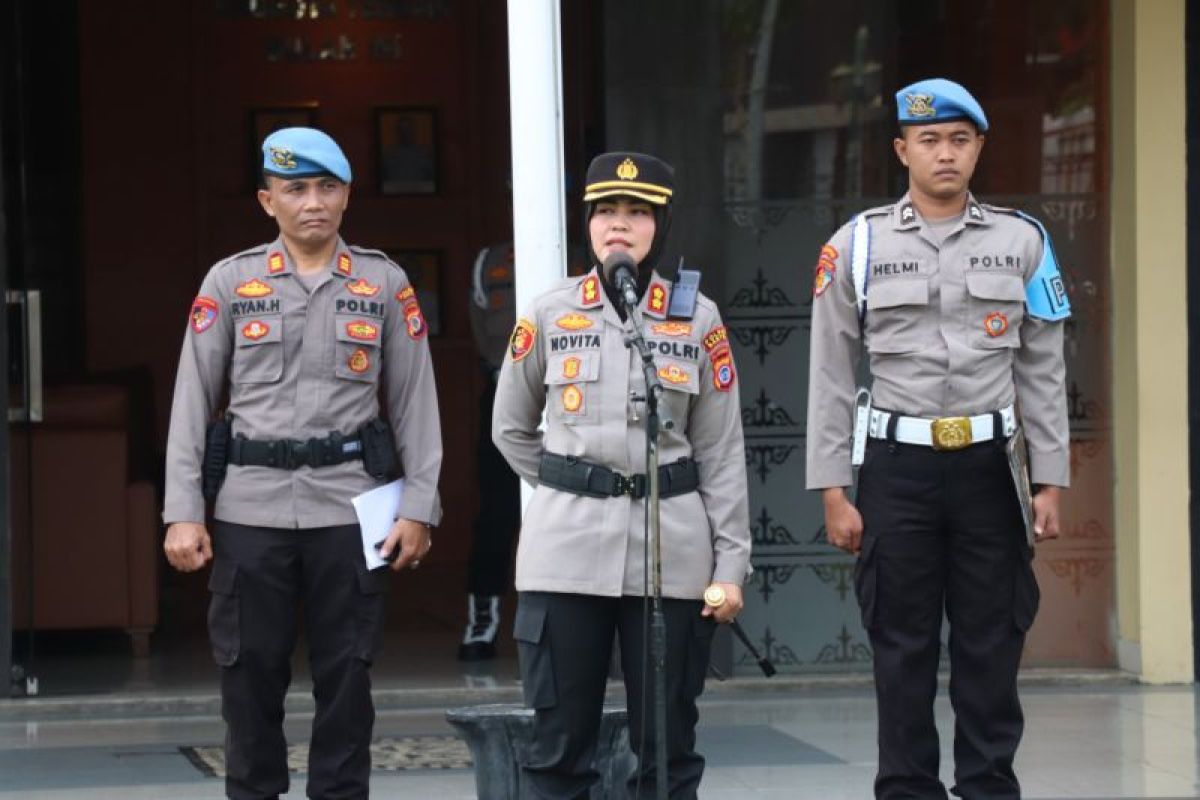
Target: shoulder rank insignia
(656, 299)
(253, 288)
(406, 294)
(275, 263)
(589, 292)
(255, 330)
(204, 313)
(361, 288)
(343, 263)
(573, 322)
(524, 336)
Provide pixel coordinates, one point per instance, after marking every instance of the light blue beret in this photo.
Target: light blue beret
(937, 100)
(303, 153)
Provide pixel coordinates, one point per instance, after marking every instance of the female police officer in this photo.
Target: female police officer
(580, 567)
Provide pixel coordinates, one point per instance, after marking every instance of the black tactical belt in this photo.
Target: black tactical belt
(294, 453)
(570, 474)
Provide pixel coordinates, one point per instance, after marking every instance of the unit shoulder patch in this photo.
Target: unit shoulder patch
(204, 313)
(523, 339)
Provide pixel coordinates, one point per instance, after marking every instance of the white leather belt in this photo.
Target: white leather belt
(943, 433)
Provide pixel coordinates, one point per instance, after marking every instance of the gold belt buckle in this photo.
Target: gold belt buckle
(951, 433)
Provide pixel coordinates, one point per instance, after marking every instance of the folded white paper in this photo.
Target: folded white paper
(377, 511)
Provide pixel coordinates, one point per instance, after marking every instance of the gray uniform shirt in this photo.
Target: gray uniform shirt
(567, 356)
(300, 365)
(946, 331)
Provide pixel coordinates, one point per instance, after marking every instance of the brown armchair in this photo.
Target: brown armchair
(94, 530)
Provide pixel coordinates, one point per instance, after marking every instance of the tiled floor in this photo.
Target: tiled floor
(107, 727)
(1106, 740)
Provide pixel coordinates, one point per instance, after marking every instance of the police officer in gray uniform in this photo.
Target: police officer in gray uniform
(304, 333)
(580, 568)
(960, 307)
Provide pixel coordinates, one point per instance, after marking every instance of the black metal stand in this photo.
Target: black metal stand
(657, 418)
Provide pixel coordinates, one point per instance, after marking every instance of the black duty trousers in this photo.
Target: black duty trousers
(499, 509)
(943, 533)
(260, 578)
(565, 642)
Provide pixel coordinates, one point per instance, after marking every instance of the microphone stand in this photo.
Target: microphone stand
(658, 418)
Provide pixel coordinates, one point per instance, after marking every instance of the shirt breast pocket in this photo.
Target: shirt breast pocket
(681, 382)
(898, 318)
(573, 387)
(357, 353)
(995, 309)
(258, 357)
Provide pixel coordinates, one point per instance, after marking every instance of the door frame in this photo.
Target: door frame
(1192, 145)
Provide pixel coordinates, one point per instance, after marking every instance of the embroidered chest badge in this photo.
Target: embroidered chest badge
(255, 330)
(672, 329)
(572, 398)
(358, 361)
(361, 288)
(362, 330)
(673, 373)
(573, 322)
(995, 324)
(253, 288)
(571, 367)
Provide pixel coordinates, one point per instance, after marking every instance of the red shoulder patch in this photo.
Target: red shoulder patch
(204, 313)
(524, 337)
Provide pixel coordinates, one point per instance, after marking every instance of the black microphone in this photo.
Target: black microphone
(621, 273)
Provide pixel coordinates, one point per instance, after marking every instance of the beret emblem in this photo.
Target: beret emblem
(920, 105)
(283, 158)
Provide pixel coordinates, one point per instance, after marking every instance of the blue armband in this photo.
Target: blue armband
(1045, 294)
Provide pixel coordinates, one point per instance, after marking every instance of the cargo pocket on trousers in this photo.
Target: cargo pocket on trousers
(1026, 594)
(866, 581)
(224, 616)
(533, 646)
(372, 587)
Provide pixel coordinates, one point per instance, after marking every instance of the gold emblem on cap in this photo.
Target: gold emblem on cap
(714, 596)
(920, 105)
(283, 158)
(627, 170)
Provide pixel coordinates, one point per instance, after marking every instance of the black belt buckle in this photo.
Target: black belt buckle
(632, 485)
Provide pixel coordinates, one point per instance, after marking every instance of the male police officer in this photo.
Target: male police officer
(960, 307)
(306, 331)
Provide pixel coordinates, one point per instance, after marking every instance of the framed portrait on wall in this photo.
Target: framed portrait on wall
(424, 269)
(265, 121)
(406, 150)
